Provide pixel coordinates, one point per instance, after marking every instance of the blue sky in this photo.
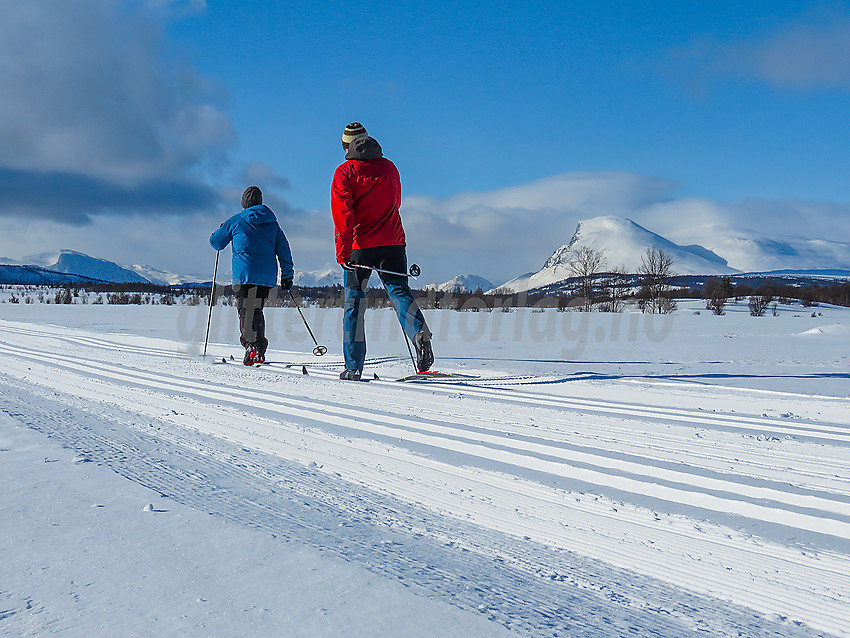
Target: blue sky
(133, 126)
(467, 98)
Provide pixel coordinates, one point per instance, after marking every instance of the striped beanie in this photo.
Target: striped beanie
(352, 132)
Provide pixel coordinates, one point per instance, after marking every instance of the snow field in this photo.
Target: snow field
(692, 484)
(173, 570)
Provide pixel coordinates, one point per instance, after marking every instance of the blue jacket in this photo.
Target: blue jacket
(257, 241)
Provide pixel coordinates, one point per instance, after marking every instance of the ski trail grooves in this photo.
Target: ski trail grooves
(507, 481)
(828, 432)
(557, 462)
(833, 433)
(474, 569)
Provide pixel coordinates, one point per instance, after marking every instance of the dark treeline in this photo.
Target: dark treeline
(836, 293)
(563, 296)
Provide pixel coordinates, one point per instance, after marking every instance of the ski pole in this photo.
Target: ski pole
(406, 338)
(414, 272)
(410, 350)
(212, 299)
(318, 350)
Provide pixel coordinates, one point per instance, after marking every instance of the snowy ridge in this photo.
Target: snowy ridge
(330, 275)
(462, 283)
(74, 263)
(37, 276)
(167, 278)
(757, 252)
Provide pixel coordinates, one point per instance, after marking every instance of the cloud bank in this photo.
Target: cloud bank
(94, 118)
(504, 233)
(811, 53)
(495, 234)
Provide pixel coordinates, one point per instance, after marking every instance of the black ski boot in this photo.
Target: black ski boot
(424, 354)
(350, 375)
(261, 350)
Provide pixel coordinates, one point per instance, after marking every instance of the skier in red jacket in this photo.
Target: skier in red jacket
(365, 198)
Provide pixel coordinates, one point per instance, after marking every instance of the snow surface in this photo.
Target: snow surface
(606, 475)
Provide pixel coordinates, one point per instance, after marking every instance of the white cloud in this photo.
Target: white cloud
(810, 53)
(90, 105)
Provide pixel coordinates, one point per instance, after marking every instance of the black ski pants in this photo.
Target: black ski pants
(250, 300)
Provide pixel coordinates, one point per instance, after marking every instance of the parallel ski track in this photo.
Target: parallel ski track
(738, 498)
(833, 433)
(124, 386)
(530, 589)
(652, 445)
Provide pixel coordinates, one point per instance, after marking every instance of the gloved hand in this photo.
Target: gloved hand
(286, 283)
(348, 265)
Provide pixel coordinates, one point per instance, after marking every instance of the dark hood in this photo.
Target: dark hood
(364, 148)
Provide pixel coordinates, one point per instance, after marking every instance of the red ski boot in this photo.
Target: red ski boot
(251, 356)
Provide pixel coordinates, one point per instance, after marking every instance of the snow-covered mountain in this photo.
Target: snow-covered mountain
(462, 283)
(87, 267)
(330, 275)
(72, 262)
(167, 278)
(623, 243)
(754, 251)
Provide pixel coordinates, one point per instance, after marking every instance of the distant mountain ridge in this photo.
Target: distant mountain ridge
(756, 252)
(330, 275)
(701, 250)
(167, 278)
(462, 283)
(31, 275)
(74, 263)
(623, 244)
(73, 267)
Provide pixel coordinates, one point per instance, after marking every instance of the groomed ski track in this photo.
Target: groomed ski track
(546, 508)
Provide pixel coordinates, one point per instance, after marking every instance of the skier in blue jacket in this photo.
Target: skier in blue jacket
(258, 246)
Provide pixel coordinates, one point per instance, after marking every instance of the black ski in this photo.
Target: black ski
(436, 375)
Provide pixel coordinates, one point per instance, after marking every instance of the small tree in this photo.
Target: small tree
(63, 296)
(715, 296)
(657, 270)
(586, 263)
(614, 286)
(758, 304)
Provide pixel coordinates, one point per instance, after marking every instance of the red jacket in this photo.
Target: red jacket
(365, 198)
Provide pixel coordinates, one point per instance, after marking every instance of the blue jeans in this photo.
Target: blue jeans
(356, 284)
